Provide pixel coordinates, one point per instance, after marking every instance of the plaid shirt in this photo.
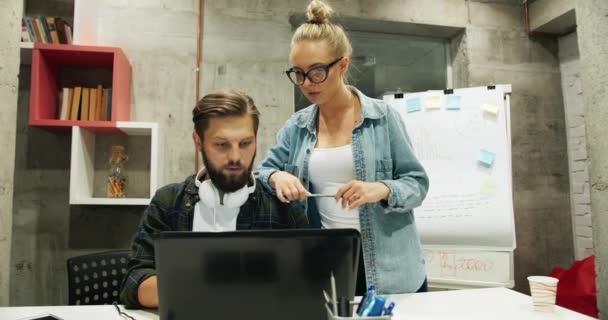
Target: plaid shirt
(172, 209)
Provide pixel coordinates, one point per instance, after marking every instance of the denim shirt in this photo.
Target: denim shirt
(382, 151)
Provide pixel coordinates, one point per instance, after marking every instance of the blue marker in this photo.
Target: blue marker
(389, 310)
(367, 299)
(375, 309)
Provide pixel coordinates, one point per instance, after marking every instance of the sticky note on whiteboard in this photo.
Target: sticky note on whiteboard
(432, 103)
(490, 108)
(452, 102)
(414, 104)
(488, 187)
(486, 158)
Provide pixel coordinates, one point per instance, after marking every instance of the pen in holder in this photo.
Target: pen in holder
(371, 307)
(332, 316)
(349, 307)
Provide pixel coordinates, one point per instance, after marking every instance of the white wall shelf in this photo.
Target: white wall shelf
(84, 12)
(89, 169)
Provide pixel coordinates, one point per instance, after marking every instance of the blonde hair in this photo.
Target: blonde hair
(320, 28)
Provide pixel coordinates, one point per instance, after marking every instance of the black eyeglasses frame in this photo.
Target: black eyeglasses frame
(324, 67)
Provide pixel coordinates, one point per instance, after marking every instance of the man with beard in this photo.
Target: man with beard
(223, 196)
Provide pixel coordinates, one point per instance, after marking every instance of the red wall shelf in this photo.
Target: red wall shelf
(55, 66)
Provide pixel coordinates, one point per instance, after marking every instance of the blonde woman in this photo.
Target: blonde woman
(356, 148)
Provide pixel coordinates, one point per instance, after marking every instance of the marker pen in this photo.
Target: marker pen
(375, 308)
(367, 299)
(389, 310)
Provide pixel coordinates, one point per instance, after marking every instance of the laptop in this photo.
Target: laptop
(269, 274)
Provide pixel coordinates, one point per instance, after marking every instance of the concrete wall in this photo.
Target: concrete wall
(580, 200)
(245, 47)
(10, 24)
(159, 38)
(552, 16)
(592, 20)
(496, 49)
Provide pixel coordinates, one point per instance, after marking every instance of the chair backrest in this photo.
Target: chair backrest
(96, 278)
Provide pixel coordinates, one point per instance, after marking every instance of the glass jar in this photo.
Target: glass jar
(117, 178)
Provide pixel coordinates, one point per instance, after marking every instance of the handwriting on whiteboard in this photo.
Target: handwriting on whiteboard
(452, 206)
(466, 264)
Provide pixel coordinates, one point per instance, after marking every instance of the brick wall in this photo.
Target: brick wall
(580, 201)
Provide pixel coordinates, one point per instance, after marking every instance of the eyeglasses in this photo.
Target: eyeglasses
(315, 75)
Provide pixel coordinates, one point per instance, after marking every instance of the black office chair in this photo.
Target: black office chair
(96, 278)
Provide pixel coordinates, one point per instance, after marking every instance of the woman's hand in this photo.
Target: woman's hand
(287, 186)
(356, 193)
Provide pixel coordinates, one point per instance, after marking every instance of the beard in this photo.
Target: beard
(224, 182)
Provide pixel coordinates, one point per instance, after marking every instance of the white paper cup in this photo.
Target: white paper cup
(543, 290)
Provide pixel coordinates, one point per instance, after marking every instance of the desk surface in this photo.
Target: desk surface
(493, 303)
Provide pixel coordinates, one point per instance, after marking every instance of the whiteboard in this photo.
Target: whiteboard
(466, 222)
(457, 268)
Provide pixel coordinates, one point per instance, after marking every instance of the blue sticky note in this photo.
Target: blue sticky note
(414, 104)
(486, 158)
(453, 102)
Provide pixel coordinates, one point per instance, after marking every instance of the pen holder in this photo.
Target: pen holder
(331, 316)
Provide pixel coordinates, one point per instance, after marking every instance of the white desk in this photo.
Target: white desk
(494, 303)
(105, 312)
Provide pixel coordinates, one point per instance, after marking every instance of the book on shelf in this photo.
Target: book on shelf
(81, 103)
(93, 104)
(41, 31)
(98, 103)
(60, 24)
(109, 108)
(30, 29)
(61, 98)
(45, 27)
(50, 23)
(36, 26)
(46, 30)
(104, 103)
(25, 36)
(75, 112)
(65, 100)
(68, 33)
(84, 104)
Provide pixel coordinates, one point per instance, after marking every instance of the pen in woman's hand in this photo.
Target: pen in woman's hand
(321, 195)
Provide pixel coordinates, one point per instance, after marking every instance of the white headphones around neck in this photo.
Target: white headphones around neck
(210, 195)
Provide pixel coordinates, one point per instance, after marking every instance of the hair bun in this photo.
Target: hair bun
(318, 12)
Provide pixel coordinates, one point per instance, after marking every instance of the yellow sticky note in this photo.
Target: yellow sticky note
(432, 103)
(490, 107)
(488, 187)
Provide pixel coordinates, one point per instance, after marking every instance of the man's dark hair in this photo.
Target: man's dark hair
(223, 104)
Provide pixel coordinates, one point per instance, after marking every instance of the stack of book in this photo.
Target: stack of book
(46, 30)
(90, 104)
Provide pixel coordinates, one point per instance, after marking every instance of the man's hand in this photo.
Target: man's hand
(147, 293)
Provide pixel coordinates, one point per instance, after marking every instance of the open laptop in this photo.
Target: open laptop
(270, 274)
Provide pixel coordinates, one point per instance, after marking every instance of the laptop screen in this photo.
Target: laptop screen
(270, 274)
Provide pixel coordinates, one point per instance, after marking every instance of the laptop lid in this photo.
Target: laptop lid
(270, 274)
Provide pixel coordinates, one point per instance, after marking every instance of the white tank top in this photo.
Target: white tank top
(329, 169)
